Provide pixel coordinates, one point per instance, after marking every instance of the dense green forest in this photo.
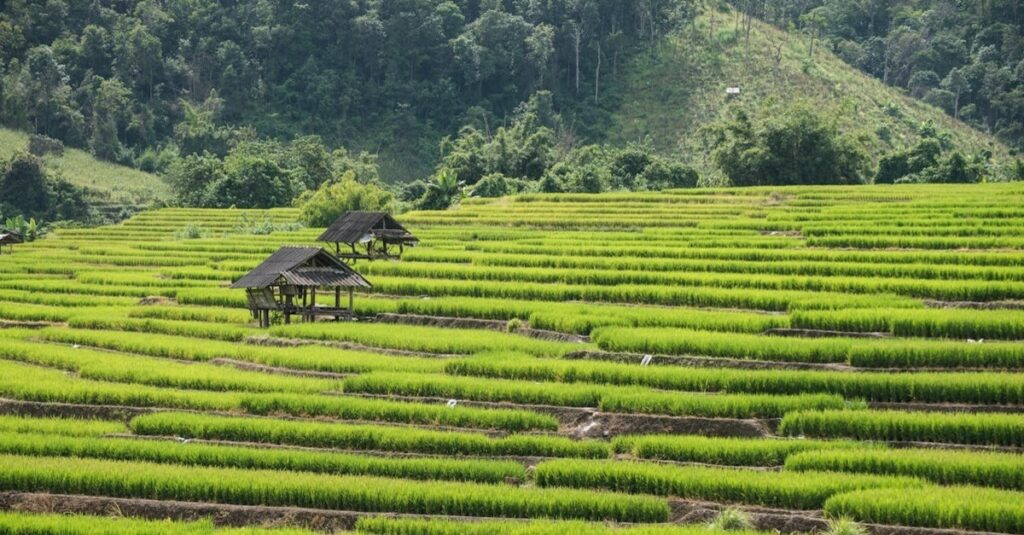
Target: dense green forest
(269, 102)
(127, 77)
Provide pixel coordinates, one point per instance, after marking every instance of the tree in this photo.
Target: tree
(443, 189)
(23, 186)
(111, 110)
(27, 189)
(191, 178)
(335, 198)
(251, 181)
(797, 146)
(899, 164)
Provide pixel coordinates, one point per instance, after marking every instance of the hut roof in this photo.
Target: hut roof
(359, 226)
(302, 266)
(9, 236)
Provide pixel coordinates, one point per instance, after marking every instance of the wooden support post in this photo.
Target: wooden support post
(351, 304)
(312, 304)
(337, 297)
(287, 309)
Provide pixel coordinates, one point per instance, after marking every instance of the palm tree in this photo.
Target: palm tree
(442, 191)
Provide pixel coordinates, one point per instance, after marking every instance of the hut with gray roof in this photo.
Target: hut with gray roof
(9, 237)
(287, 282)
(367, 235)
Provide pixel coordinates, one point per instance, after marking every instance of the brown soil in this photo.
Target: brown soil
(156, 300)
(946, 446)
(524, 460)
(944, 407)
(568, 416)
(822, 333)
(18, 324)
(607, 425)
(683, 511)
(781, 520)
(585, 422)
(264, 340)
(707, 362)
(787, 521)
(225, 515)
(72, 410)
(253, 367)
(473, 323)
(1008, 304)
(790, 233)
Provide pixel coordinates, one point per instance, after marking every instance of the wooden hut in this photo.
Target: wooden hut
(288, 282)
(9, 237)
(368, 235)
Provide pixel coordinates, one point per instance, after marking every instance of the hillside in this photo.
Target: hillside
(108, 182)
(667, 96)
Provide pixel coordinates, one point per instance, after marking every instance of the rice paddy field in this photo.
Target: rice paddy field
(620, 364)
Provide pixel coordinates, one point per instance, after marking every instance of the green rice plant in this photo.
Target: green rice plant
(929, 323)
(995, 429)
(607, 398)
(57, 286)
(64, 300)
(845, 526)
(936, 289)
(350, 408)
(30, 312)
(121, 368)
(733, 345)
(192, 313)
(731, 519)
(959, 387)
(798, 490)
(851, 320)
(420, 338)
(946, 467)
(715, 405)
(725, 450)
(693, 296)
(966, 508)
(314, 358)
(198, 329)
(583, 319)
(909, 353)
(361, 437)
(382, 525)
(32, 383)
(864, 353)
(281, 488)
(448, 387)
(19, 523)
(225, 456)
(212, 297)
(72, 427)
(144, 279)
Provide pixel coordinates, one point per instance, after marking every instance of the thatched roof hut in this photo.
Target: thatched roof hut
(294, 273)
(9, 237)
(368, 235)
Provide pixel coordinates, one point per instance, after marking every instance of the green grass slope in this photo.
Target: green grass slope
(107, 182)
(666, 97)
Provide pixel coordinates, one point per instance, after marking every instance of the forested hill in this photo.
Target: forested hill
(676, 97)
(125, 77)
(144, 82)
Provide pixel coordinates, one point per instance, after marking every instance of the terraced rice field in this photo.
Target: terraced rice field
(621, 364)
